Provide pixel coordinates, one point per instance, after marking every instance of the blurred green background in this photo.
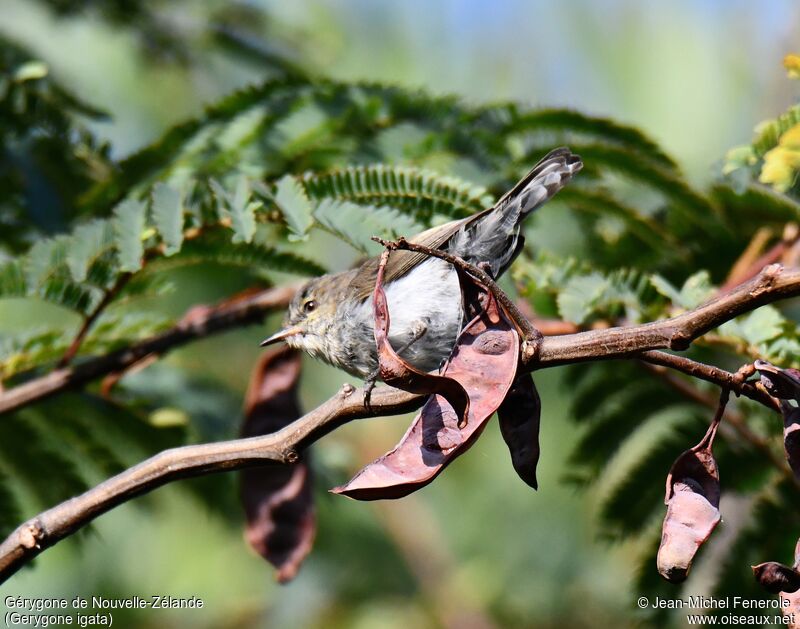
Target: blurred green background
(477, 548)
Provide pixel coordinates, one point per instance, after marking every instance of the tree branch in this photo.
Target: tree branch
(47, 528)
(31, 538)
(199, 323)
(712, 374)
(773, 283)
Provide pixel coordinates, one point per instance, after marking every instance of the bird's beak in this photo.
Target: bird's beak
(282, 335)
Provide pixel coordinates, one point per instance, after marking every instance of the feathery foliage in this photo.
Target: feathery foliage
(253, 181)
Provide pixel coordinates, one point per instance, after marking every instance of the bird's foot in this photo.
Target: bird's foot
(369, 384)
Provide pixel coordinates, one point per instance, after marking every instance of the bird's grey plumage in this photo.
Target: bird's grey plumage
(422, 292)
(493, 236)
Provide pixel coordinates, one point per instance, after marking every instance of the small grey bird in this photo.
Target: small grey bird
(331, 316)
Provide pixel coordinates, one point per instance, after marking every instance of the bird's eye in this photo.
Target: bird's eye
(309, 306)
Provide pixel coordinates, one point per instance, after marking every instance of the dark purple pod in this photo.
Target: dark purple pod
(519, 417)
(784, 384)
(776, 577)
(277, 499)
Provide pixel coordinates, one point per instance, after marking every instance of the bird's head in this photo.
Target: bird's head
(310, 316)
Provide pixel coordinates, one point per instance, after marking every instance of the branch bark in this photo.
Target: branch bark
(199, 323)
(44, 530)
(47, 528)
(772, 284)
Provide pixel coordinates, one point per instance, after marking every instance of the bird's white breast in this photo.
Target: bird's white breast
(430, 294)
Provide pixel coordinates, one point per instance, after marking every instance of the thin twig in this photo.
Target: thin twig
(88, 322)
(734, 419)
(750, 262)
(712, 374)
(214, 319)
(708, 440)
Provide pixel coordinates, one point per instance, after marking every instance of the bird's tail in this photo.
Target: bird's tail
(493, 237)
(547, 177)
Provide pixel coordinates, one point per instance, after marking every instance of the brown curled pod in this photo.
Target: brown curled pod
(776, 577)
(277, 499)
(484, 362)
(784, 581)
(519, 417)
(784, 384)
(692, 499)
(397, 372)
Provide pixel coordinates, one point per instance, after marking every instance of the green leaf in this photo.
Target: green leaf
(89, 241)
(579, 296)
(43, 260)
(761, 325)
(602, 128)
(664, 287)
(129, 225)
(168, 216)
(642, 169)
(294, 204)
(12, 279)
(239, 207)
(696, 290)
(257, 257)
(421, 193)
(769, 132)
(356, 224)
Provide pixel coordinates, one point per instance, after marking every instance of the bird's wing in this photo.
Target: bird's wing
(401, 262)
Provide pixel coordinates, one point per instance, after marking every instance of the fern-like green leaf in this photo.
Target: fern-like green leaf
(756, 205)
(29, 453)
(648, 231)
(356, 224)
(769, 132)
(258, 257)
(168, 216)
(294, 204)
(239, 207)
(12, 279)
(637, 496)
(420, 192)
(640, 168)
(129, 225)
(88, 242)
(605, 129)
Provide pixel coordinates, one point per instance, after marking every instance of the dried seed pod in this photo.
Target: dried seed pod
(397, 372)
(776, 577)
(277, 499)
(484, 362)
(692, 499)
(790, 608)
(784, 384)
(785, 581)
(519, 416)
